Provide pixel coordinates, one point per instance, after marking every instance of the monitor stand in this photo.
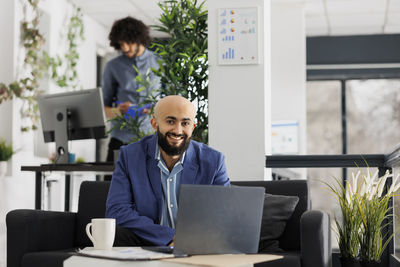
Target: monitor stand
(61, 135)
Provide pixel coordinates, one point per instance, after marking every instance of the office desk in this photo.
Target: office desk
(68, 169)
(211, 260)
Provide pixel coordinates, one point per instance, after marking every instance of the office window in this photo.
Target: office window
(373, 123)
(324, 137)
(373, 116)
(323, 117)
(372, 119)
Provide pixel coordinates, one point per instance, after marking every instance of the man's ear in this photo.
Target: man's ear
(153, 123)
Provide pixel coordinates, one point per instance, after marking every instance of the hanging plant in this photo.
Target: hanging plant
(32, 41)
(38, 62)
(63, 69)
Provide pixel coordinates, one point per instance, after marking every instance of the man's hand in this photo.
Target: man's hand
(123, 107)
(111, 112)
(147, 108)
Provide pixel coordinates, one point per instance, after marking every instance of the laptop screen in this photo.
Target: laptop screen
(218, 220)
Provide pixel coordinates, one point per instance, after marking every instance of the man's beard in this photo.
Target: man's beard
(172, 150)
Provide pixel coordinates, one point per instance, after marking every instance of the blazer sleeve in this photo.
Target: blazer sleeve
(121, 206)
(221, 176)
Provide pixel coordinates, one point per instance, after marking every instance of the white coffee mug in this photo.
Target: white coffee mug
(102, 234)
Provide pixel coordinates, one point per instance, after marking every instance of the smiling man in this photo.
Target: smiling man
(144, 190)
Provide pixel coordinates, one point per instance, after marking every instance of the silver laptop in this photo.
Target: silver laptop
(218, 219)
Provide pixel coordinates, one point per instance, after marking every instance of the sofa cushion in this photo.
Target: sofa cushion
(46, 258)
(277, 211)
(290, 239)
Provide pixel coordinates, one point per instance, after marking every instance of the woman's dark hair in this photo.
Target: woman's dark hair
(129, 30)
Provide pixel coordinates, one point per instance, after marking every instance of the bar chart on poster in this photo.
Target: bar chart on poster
(238, 32)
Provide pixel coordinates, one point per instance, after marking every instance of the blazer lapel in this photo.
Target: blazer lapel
(190, 166)
(153, 173)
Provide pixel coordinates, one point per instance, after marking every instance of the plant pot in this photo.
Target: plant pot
(3, 168)
(349, 262)
(370, 263)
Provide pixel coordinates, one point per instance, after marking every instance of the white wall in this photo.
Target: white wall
(7, 65)
(17, 188)
(288, 67)
(6, 76)
(239, 100)
(242, 99)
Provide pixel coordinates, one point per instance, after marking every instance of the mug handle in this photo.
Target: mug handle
(88, 226)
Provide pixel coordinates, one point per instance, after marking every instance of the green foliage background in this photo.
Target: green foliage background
(184, 59)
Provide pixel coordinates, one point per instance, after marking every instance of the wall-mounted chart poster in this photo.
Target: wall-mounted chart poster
(238, 34)
(285, 138)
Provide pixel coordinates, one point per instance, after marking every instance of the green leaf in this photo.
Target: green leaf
(140, 89)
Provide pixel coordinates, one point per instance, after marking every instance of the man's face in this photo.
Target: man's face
(174, 129)
(129, 49)
(174, 148)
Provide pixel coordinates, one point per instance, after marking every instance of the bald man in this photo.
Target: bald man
(145, 183)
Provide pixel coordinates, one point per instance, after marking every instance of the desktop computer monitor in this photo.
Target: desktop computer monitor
(72, 116)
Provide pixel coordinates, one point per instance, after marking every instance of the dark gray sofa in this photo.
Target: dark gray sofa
(45, 238)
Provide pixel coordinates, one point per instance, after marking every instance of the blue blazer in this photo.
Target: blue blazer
(135, 197)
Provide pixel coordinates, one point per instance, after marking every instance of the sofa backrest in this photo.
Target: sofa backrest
(92, 204)
(290, 239)
(93, 196)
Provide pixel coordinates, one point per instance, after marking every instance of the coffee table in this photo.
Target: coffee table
(201, 260)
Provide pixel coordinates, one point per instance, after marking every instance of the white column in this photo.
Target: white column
(239, 99)
(288, 67)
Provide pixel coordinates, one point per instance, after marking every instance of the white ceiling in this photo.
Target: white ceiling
(323, 17)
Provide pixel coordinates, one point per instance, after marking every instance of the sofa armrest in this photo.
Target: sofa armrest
(315, 236)
(37, 230)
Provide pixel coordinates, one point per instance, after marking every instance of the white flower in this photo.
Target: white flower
(371, 185)
(363, 189)
(352, 187)
(395, 185)
(367, 185)
(355, 181)
(382, 182)
(349, 194)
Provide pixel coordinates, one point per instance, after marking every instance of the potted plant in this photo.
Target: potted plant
(349, 227)
(374, 210)
(183, 65)
(6, 152)
(184, 56)
(364, 208)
